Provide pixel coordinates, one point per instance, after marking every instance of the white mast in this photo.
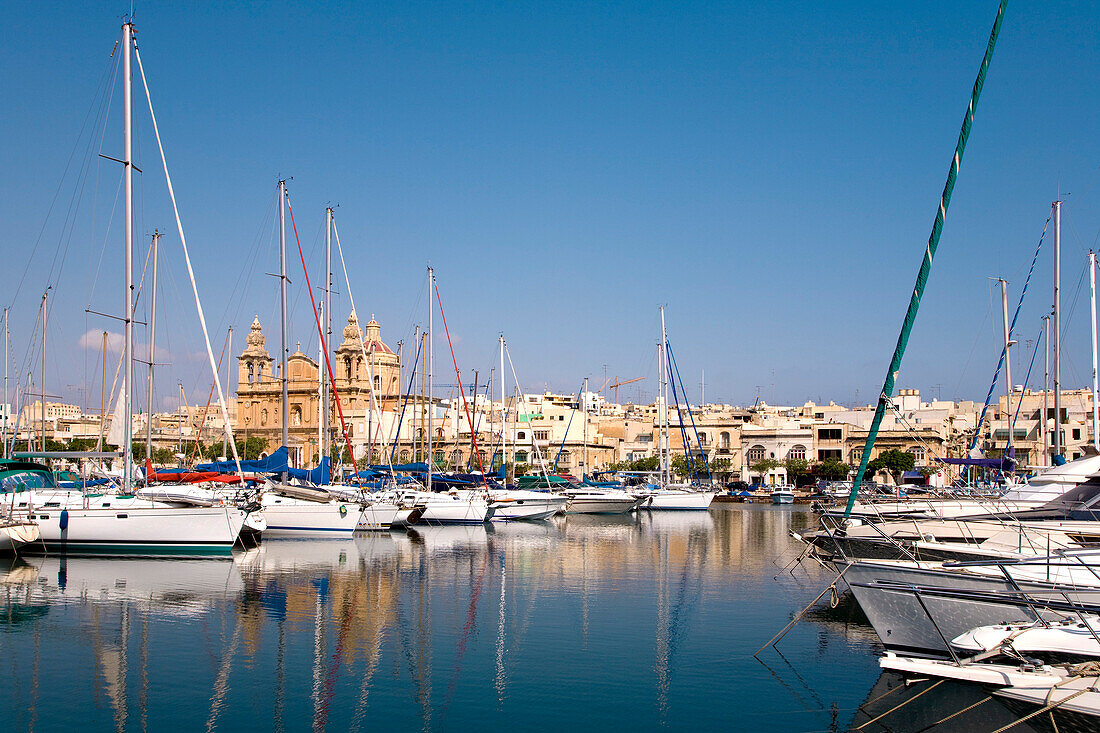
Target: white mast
(321, 390)
(503, 416)
(282, 302)
(431, 363)
(228, 381)
(666, 468)
(1095, 384)
(1046, 389)
(328, 332)
(152, 352)
(584, 398)
(1057, 328)
(128, 341)
(42, 387)
(1008, 360)
(7, 399)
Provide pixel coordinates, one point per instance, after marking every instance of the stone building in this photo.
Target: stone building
(365, 370)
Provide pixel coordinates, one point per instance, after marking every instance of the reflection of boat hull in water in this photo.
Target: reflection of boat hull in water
(175, 586)
(288, 517)
(139, 530)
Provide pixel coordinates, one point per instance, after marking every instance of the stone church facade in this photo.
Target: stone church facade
(363, 366)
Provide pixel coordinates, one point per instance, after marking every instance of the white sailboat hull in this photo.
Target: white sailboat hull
(611, 503)
(288, 517)
(676, 500)
(17, 534)
(139, 530)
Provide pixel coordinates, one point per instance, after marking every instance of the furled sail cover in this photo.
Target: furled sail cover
(277, 462)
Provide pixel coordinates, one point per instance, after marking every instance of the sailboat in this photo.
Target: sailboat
(665, 494)
(73, 522)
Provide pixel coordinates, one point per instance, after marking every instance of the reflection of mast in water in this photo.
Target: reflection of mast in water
(672, 615)
(419, 659)
(143, 696)
(221, 682)
(500, 679)
(280, 675)
(584, 593)
(662, 661)
(318, 652)
(112, 661)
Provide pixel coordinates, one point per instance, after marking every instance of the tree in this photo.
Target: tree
(720, 466)
(798, 469)
(764, 465)
(895, 461)
(652, 463)
(831, 470)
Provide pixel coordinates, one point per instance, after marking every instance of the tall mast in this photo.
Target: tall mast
(1008, 362)
(1046, 390)
(7, 401)
(128, 341)
(1057, 328)
(321, 390)
(584, 398)
(665, 472)
(42, 387)
(503, 416)
(152, 352)
(282, 303)
(228, 381)
(325, 387)
(431, 364)
(1095, 384)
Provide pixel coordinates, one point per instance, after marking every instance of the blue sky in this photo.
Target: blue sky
(768, 172)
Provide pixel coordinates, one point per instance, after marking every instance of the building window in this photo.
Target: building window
(542, 435)
(724, 440)
(918, 455)
(347, 368)
(404, 457)
(456, 457)
(520, 435)
(377, 383)
(565, 458)
(829, 454)
(828, 434)
(857, 455)
(521, 456)
(702, 438)
(797, 453)
(755, 454)
(1077, 433)
(251, 372)
(438, 457)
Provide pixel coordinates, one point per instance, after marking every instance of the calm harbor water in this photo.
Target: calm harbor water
(645, 623)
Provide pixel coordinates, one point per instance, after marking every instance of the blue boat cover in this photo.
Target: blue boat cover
(277, 462)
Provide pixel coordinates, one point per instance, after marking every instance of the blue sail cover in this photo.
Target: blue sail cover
(321, 476)
(277, 462)
(1007, 464)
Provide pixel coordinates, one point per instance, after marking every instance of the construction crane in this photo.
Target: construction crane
(616, 384)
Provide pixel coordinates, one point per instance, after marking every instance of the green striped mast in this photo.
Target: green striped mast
(926, 264)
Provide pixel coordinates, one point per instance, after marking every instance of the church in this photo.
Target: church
(364, 368)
